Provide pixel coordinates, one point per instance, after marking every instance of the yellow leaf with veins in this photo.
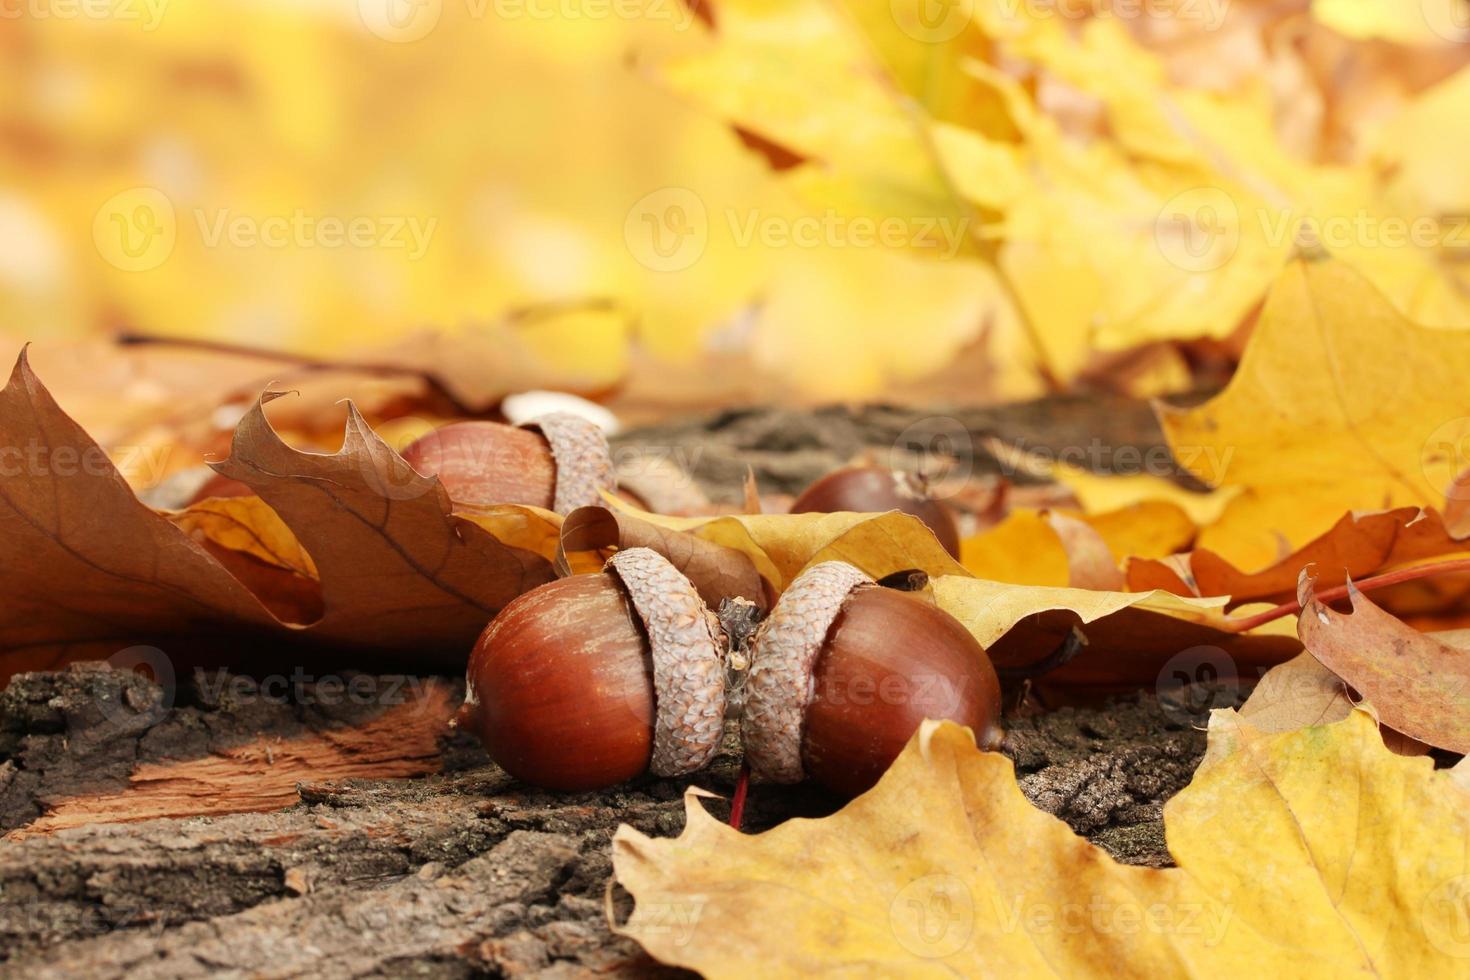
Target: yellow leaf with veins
(1313, 853)
(1340, 404)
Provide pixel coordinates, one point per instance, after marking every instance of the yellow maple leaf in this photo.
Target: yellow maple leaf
(1340, 404)
(1314, 853)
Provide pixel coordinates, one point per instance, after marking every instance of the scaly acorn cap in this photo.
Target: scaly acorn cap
(783, 653)
(584, 465)
(688, 661)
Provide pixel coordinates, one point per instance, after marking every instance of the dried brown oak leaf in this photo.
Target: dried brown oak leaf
(88, 570)
(1416, 683)
(590, 536)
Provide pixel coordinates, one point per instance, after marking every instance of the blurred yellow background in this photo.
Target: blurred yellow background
(1014, 196)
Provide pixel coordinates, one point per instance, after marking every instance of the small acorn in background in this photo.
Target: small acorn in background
(592, 680)
(844, 670)
(875, 489)
(558, 462)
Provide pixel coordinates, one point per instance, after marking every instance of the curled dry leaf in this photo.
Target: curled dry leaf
(1131, 636)
(1318, 852)
(384, 540)
(89, 570)
(1301, 693)
(1297, 694)
(1358, 545)
(1416, 683)
(590, 536)
(781, 545)
(1090, 562)
(247, 525)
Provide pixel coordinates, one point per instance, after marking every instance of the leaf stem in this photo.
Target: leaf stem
(737, 802)
(1342, 591)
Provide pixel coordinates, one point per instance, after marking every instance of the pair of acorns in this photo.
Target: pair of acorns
(595, 679)
(592, 680)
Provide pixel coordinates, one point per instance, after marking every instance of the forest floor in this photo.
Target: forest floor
(122, 856)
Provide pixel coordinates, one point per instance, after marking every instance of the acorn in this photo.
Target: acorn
(844, 670)
(557, 462)
(592, 680)
(875, 489)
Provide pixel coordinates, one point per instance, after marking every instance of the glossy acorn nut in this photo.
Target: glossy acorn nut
(844, 670)
(592, 680)
(874, 489)
(558, 462)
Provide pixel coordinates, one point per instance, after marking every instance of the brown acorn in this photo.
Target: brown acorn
(844, 670)
(592, 680)
(875, 489)
(558, 462)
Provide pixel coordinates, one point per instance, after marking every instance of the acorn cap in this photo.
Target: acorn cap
(584, 464)
(783, 654)
(688, 648)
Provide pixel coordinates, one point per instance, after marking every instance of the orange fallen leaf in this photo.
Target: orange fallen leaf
(1358, 545)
